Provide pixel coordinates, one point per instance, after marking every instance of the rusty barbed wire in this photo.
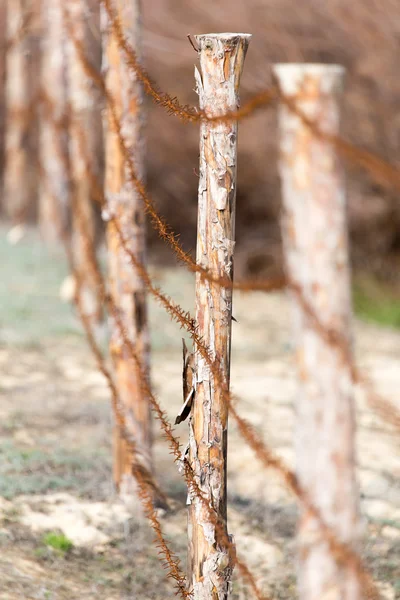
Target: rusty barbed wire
(148, 479)
(148, 487)
(185, 320)
(341, 550)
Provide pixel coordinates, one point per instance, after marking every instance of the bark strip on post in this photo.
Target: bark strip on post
(124, 203)
(221, 63)
(83, 24)
(54, 191)
(317, 261)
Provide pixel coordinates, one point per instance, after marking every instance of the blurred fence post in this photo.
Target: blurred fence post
(54, 197)
(3, 54)
(83, 28)
(124, 203)
(18, 191)
(317, 261)
(221, 61)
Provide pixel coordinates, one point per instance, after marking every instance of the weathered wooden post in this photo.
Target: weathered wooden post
(317, 262)
(17, 180)
(221, 63)
(82, 18)
(124, 203)
(55, 186)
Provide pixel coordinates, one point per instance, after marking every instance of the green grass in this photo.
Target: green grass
(376, 303)
(58, 541)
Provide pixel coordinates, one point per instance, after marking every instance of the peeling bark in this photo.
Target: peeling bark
(317, 260)
(126, 286)
(54, 191)
(221, 62)
(17, 180)
(85, 114)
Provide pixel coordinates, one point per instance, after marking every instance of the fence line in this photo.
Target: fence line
(170, 237)
(341, 550)
(185, 320)
(267, 458)
(372, 164)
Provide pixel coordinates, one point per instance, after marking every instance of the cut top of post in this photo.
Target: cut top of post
(293, 77)
(221, 63)
(222, 36)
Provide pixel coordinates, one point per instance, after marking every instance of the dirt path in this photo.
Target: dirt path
(55, 461)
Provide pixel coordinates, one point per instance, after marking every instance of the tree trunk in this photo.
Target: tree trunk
(123, 202)
(54, 200)
(221, 61)
(17, 183)
(317, 261)
(85, 123)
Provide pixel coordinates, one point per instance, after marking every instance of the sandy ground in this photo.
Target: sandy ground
(55, 425)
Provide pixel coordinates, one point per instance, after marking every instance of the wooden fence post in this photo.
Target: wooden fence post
(17, 174)
(54, 197)
(317, 262)
(221, 62)
(124, 203)
(83, 23)
(3, 54)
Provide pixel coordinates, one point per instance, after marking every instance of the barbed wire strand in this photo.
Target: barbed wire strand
(339, 548)
(148, 488)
